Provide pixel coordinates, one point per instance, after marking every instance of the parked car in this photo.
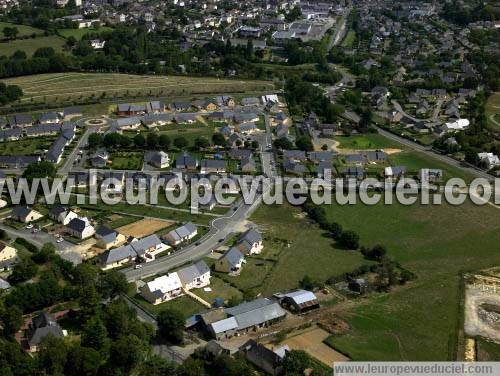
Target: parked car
(30, 226)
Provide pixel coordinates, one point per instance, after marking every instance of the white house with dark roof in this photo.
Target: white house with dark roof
(159, 159)
(25, 214)
(61, 214)
(195, 276)
(80, 228)
(107, 238)
(208, 166)
(162, 289)
(250, 242)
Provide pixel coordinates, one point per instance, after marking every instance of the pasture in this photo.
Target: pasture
(59, 88)
(30, 45)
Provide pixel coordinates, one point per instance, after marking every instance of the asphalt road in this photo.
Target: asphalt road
(220, 228)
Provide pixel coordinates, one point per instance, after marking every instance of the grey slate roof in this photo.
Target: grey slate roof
(21, 211)
(43, 129)
(191, 272)
(185, 161)
(20, 119)
(77, 224)
(233, 256)
(56, 149)
(10, 133)
(18, 161)
(213, 163)
(48, 117)
(294, 154)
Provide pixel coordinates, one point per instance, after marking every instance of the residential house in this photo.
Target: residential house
(107, 238)
(186, 162)
(162, 289)
(55, 152)
(355, 159)
(159, 159)
(319, 156)
(8, 256)
(375, 156)
(127, 109)
(489, 160)
(225, 100)
(152, 120)
(247, 128)
(13, 134)
(25, 214)
(100, 158)
(295, 155)
(43, 130)
(155, 107)
(357, 173)
(250, 101)
(41, 326)
(185, 118)
(397, 172)
(205, 104)
(248, 164)
(129, 123)
(21, 120)
(298, 301)
(181, 234)
(293, 167)
(263, 358)
(431, 175)
(80, 228)
(71, 112)
(194, 276)
(146, 249)
(4, 285)
(81, 179)
(245, 117)
(18, 161)
(324, 167)
(115, 181)
(208, 166)
(48, 117)
(250, 243)
(61, 214)
(282, 131)
(230, 262)
(180, 106)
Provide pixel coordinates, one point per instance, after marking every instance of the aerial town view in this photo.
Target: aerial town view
(263, 187)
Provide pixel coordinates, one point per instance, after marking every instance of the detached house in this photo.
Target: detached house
(107, 238)
(61, 214)
(212, 166)
(41, 326)
(159, 159)
(162, 289)
(8, 255)
(80, 228)
(250, 243)
(25, 214)
(195, 276)
(230, 262)
(186, 162)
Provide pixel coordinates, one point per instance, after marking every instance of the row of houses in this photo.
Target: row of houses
(27, 120)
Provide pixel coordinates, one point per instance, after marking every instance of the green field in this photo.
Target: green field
(418, 321)
(24, 30)
(310, 252)
(29, 46)
(220, 289)
(366, 141)
(79, 33)
(60, 88)
(184, 304)
(493, 110)
(127, 161)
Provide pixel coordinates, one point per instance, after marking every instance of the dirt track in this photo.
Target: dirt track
(143, 227)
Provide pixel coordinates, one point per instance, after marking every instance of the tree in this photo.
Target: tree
(89, 302)
(164, 141)
(82, 361)
(254, 145)
(335, 230)
(283, 143)
(180, 143)
(218, 139)
(113, 283)
(19, 55)
(349, 240)
(10, 32)
(376, 253)
(94, 141)
(44, 52)
(24, 270)
(95, 335)
(12, 319)
(171, 325)
(127, 352)
(45, 254)
(304, 143)
(139, 141)
(152, 140)
(52, 355)
(296, 362)
(40, 170)
(201, 143)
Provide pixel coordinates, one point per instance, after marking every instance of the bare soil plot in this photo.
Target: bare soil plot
(143, 227)
(312, 342)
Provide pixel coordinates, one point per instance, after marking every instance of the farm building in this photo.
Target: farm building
(299, 301)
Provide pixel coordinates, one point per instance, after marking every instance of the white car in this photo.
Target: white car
(60, 240)
(138, 266)
(30, 226)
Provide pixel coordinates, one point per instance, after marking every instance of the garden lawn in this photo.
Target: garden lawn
(366, 141)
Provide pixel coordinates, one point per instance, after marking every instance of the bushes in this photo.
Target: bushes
(26, 244)
(349, 239)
